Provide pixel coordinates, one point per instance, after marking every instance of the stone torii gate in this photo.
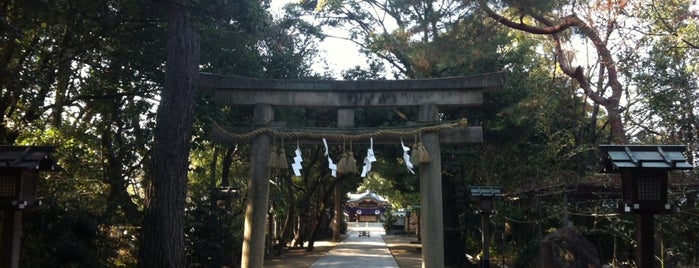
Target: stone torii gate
(427, 94)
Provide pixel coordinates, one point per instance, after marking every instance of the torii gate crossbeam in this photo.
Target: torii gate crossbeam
(428, 94)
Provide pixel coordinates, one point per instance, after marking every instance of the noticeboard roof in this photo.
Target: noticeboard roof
(28, 157)
(644, 156)
(488, 191)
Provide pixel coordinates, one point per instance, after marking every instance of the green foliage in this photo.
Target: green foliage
(390, 178)
(71, 237)
(213, 234)
(534, 6)
(85, 76)
(665, 78)
(419, 39)
(528, 253)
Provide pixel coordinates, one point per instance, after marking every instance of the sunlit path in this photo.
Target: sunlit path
(360, 251)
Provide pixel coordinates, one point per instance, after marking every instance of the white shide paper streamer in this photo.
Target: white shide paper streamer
(296, 166)
(406, 156)
(331, 165)
(370, 158)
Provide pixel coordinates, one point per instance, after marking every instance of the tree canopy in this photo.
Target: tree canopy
(97, 79)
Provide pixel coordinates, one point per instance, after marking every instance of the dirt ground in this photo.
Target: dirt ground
(299, 257)
(407, 254)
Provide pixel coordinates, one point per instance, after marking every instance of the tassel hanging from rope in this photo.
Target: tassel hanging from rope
(420, 154)
(424, 155)
(415, 154)
(351, 161)
(342, 163)
(272, 159)
(282, 164)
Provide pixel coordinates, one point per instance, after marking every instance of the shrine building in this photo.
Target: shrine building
(366, 207)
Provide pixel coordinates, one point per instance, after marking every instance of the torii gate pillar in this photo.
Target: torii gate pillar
(258, 192)
(432, 229)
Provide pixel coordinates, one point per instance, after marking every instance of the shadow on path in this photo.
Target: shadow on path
(368, 251)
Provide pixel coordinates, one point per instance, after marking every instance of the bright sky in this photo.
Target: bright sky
(339, 54)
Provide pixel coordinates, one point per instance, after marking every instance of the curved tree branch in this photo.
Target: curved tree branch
(565, 23)
(611, 103)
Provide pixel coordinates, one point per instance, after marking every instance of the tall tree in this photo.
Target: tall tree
(162, 237)
(664, 104)
(595, 23)
(416, 39)
(69, 78)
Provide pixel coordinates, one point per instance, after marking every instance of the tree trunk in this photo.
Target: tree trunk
(226, 166)
(287, 226)
(300, 232)
(337, 209)
(321, 216)
(118, 198)
(213, 165)
(162, 240)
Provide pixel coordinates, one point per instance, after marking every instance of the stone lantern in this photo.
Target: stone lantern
(19, 176)
(644, 182)
(486, 195)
